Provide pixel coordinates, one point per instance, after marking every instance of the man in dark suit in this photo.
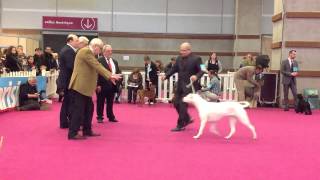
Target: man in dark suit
(82, 85)
(151, 75)
(169, 66)
(106, 89)
(289, 71)
(188, 68)
(66, 61)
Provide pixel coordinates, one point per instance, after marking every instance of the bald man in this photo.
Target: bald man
(188, 67)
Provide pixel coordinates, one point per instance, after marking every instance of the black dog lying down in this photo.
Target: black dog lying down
(303, 106)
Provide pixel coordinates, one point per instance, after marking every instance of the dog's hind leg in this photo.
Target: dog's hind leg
(213, 129)
(245, 121)
(253, 130)
(232, 123)
(202, 126)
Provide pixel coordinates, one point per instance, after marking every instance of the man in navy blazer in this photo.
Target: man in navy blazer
(289, 71)
(66, 61)
(106, 88)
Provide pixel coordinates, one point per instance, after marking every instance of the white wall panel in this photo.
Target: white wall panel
(140, 6)
(267, 12)
(184, 16)
(24, 19)
(195, 7)
(85, 5)
(29, 4)
(139, 23)
(194, 24)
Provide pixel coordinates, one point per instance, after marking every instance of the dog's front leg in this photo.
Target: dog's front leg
(202, 125)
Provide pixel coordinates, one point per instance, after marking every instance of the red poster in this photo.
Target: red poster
(70, 23)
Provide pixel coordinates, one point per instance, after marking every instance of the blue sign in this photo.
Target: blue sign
(9, 90)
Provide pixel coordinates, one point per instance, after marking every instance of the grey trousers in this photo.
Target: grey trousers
(293, 87)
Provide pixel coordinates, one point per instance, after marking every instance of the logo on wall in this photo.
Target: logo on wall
(88, 24)
(70, 23)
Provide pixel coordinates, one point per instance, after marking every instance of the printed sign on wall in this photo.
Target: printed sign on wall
(70, 23)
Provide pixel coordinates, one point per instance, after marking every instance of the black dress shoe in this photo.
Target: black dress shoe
(77, 137)
(113, 120)
(100, 120)
(177, 129)
(64, 126)
(189, 122)
(91, 134)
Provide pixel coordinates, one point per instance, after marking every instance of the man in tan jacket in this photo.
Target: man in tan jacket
(82, 85)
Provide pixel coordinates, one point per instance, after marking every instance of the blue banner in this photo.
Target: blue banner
(9, 90)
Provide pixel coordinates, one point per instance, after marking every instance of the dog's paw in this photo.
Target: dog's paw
(227, 137)
(196, 137)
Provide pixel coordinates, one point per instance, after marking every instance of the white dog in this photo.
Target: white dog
(211, 111)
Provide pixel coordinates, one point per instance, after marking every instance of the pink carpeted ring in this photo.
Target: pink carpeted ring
(141, 147)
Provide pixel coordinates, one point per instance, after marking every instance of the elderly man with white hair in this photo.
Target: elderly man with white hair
(82, 85)
(29, 96)
(83, 42)
(106, 89)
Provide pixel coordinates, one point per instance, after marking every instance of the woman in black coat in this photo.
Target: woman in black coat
(12, 62)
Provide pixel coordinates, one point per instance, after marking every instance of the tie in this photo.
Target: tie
(109, 64)
(291, 65)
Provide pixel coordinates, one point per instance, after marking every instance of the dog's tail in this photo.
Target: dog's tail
(244, 104)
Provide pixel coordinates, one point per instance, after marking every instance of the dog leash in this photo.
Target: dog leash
(191, 85)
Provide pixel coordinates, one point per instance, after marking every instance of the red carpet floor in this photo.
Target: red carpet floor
(141, 147)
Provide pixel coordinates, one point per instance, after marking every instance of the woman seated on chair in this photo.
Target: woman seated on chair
(134, 84)
(211, 93)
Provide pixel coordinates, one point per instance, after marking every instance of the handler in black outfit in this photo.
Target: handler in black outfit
(105, 88)
(188, 67)
(66, 61)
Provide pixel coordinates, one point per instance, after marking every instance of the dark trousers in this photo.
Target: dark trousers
(81, 112)
(148, 83)
(118, 92)
(30, 105)
(101, 98)
(182, 109)
(64, 111)
(293, 87)
(132, 94)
